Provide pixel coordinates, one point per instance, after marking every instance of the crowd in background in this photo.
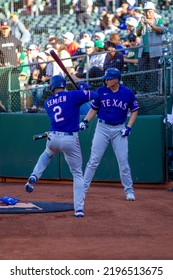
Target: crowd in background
(37, 65)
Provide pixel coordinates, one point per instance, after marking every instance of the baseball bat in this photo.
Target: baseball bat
(61, 65)
(40, 136)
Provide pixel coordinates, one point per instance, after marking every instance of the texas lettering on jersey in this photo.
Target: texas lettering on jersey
(120, 103)
(114, 103)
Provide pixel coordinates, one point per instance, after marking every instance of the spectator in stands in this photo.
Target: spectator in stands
(84, 38)
(124, 15)
(19, 30)
(86, 35)
(150, 29)
(38, 78)
(138, 13)
(83, 12)
(82, 68)
(71, 45)
(63, 53)
(131, 11)
(113, 59)
(37, 7)
(32, 53)
(131, 59)
(117, 19)
(99, 36)
(131, 24)
(52, 67)
(96, 61)
(52, 39)
(10, 49)
(105, 20)
(24, 69)
(115, 38)
(81, 49)
(10, 46)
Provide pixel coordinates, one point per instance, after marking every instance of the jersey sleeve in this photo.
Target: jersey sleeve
(83, 96)
(133, 105)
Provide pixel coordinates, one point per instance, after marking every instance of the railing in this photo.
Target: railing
(19, 98)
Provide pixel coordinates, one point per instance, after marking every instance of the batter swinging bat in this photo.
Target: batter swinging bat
(40, 136)
(61, 65)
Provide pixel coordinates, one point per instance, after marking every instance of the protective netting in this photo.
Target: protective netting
(153, 88)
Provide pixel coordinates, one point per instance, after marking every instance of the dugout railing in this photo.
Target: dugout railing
(17, 94)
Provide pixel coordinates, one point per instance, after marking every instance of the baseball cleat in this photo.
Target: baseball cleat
(79, 213)
(29, 188)
(130, 197)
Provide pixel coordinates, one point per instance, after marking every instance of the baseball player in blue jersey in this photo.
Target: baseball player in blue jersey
(112, 107)
(63, 111)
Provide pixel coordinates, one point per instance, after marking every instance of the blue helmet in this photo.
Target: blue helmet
(112, 73)
(83, 85)
(57, 82)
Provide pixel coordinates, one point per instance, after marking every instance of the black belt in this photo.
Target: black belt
(102, 121)
(62, 133)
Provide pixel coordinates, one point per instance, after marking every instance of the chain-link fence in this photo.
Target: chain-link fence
(153, 88)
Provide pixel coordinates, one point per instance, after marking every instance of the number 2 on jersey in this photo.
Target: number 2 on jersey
(58, 111)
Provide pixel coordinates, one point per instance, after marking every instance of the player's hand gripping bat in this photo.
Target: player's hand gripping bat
(61, 65)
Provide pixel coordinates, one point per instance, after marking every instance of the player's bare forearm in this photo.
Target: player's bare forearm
(91, 114)
(132, 118)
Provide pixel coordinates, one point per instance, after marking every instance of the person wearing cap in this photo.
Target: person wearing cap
(63, 53)
(38, 77)
(82, 15)
(53, 68)
(52, 39)
(150, 29)
(96, 61)
(10, 46)
(32, 52)
(10, 49)
(24, 69)
(70, 43)
(87, 35)
(82, 67)
(112, 107)
(84, 38)
(114, 58)
(131, 24)
(99, 36)
(131, 60)
(19, 30)
(124, 15)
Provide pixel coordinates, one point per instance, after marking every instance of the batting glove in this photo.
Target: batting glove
(125, 131)
(83, 125)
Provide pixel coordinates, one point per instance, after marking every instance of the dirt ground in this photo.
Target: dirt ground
(112, 229)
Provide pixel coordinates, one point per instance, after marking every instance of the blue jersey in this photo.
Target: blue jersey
(113, 107)
(63, 109)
